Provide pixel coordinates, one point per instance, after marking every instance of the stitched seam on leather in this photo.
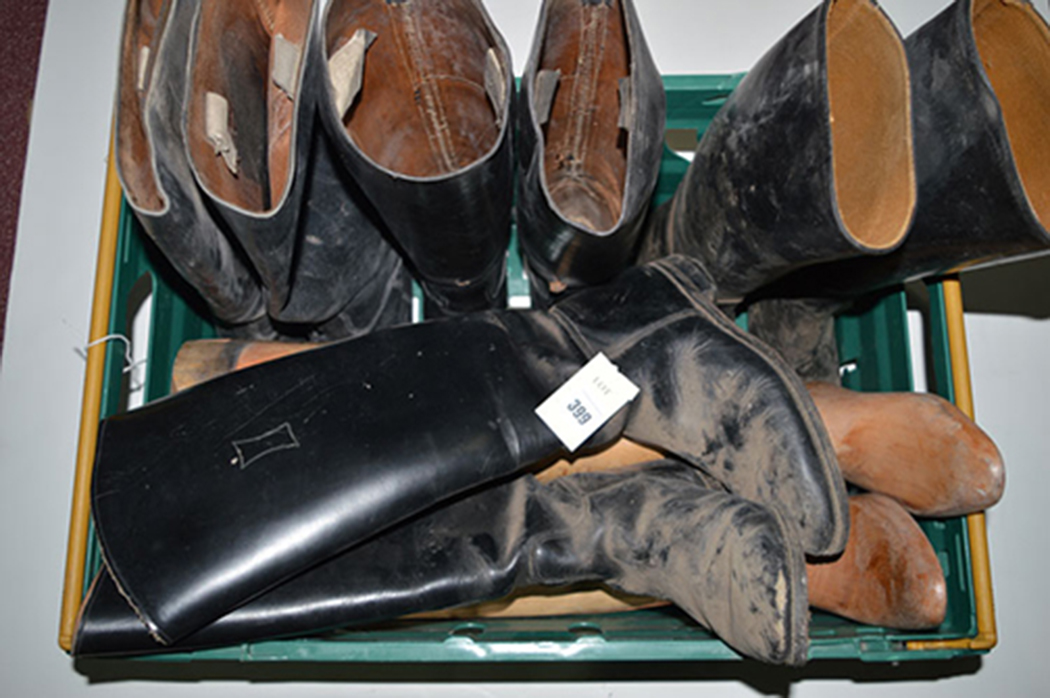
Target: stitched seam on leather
(265, 14)
(593, 24)
(415, 57)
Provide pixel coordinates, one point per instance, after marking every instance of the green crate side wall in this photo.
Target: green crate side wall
(876, 339)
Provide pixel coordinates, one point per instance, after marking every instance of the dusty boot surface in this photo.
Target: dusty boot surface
(659, 529)
(889, 575)
(802, 331)
(809, 161)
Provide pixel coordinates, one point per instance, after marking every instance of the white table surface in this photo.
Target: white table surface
(41, 382)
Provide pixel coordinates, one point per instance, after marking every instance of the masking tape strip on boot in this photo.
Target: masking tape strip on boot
(346, 69)
(543, 92)
(217, 129)
(495, 84)
(285, 73)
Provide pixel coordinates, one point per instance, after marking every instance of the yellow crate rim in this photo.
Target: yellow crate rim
(987, 635)
(76, 550)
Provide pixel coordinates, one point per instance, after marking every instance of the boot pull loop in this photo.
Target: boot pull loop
(217, 129)
(626, 113)
(346, 69)
(495, 84)
(547, 82)
(143, 68)
(285, 72)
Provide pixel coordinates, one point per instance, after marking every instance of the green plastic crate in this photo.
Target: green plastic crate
(876, 340)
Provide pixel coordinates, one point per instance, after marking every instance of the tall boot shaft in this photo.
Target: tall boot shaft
(249, 124)
(660, 530)
(591, 124)
(257, 76)
(153, 165)
(980, 74)
(810, 160)
(420, 112)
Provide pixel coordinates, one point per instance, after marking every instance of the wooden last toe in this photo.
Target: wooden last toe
(889, 574)
(917, 448)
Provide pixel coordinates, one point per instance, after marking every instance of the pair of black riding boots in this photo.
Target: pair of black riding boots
(344, 485)
(286, 163)
(848, 162)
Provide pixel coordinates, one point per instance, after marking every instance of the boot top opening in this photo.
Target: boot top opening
(585, 144)
(1013, 41)
(425, 108)
(143, 25)
(870, 105)
(247, 56)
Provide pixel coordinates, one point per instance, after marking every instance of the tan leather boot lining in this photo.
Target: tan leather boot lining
(870, 124)
(422, 110)
(585, 152)
(141, 31)
(290, 19)
(1014, 44)
(234, 59)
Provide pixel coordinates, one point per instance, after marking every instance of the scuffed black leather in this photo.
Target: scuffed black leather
(454, 229)
(184, 229)
(802, 330)
(554, 248)
(717, 397)
(660, 530)
(758, 200)
(972, 207)
(208, 498)
(347, 279)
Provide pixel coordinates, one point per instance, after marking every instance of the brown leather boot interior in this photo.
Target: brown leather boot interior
(247, 55)
(145, 19)
(585, 150)
(871, 133)
(423, 109)
(1014, 43)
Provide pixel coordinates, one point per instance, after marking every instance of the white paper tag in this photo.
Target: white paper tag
(586, 402)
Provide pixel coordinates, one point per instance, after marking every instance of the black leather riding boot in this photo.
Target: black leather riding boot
(347, 279)
(421, 117)
(153, 167)
(256, 77)
(260, 474)
(802, 330)
(981, 86)
(659, 530)
(591, 125)
(810, 159)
